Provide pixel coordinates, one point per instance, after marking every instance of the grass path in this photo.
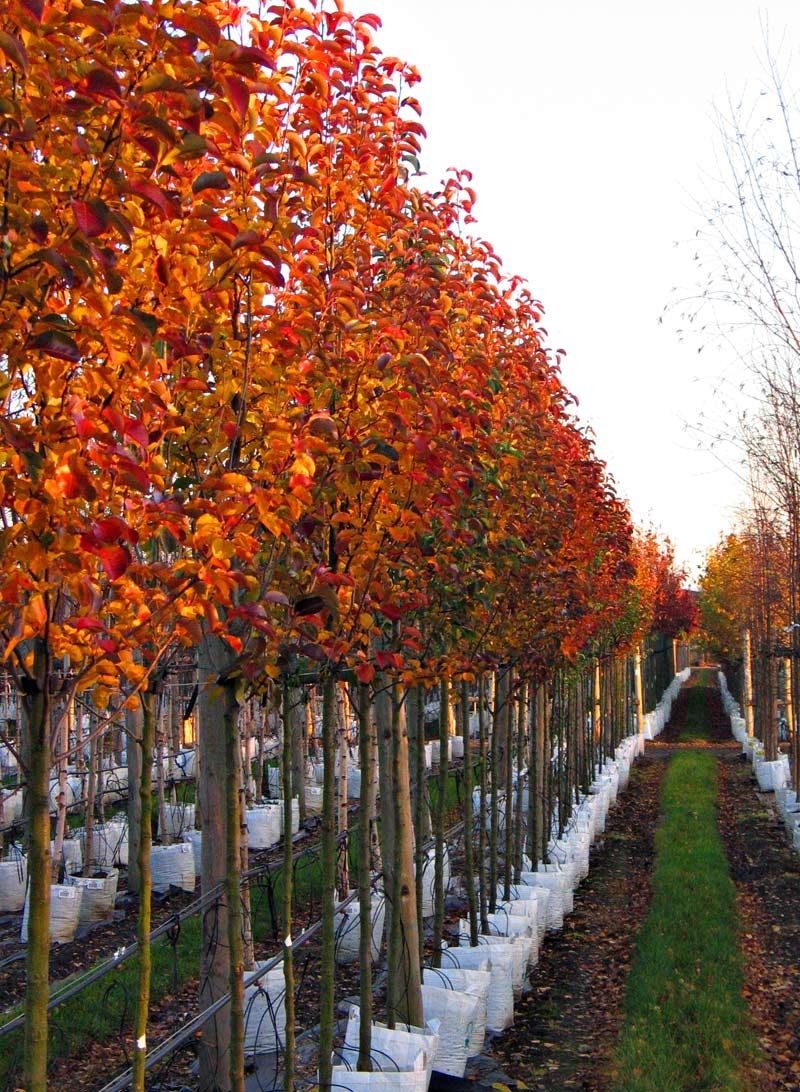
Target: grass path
(686, 1024)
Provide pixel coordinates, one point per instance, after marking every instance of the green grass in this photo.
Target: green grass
(696, 726)
(686, 1026)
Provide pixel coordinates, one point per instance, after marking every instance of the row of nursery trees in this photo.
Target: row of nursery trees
(268, 404)
(748, 616)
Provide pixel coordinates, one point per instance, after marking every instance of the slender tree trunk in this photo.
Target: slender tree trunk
(384, 715)
(409, 996)
(597, 717)
(221, 1060)
(508, 832)
(469, 858)
(244, 777)
(138, 762)
(164, 830)
(748, 683)
(445, 713)
(91, 792)
(366, 759)
(519, 809)
(342, 718)
(233, 885)
(637, 675)
(415, 718)
(543, 751)
(484, 782)
(287, 754)
(372, 794)
(149, 702)
(35, 702)
(61, 811)
(296, 727)
(498, 706)
(329, 855)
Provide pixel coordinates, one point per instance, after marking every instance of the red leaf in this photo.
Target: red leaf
(203, 26)
(239, 94)
(57, 344)
(365, 673)
(91, 217)
(391, 611)
(103, 82)
(111, 528)
(149, 192)
(251, 239)
(35, 8)
(15, 51)
(115, 560)
(136, 431)
(88, 623)
(131, 473)
(84, 427)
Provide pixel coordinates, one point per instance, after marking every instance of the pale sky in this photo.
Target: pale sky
(589, 130)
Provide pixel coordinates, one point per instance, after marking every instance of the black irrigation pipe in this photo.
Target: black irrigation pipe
(58, 997)
(178, 1038)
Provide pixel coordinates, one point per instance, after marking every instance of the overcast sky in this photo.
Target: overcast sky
(590, 132)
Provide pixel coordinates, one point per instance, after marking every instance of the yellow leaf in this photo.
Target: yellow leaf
(297, 145)
(221, 548)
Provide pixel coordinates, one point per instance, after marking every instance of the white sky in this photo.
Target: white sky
(589, 128)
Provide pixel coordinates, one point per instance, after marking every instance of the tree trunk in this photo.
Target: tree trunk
(445, 715)
(342, 719)
(218, 781)
(403, 993)
(469, 857)
(637, 676)
(233, 884)
(383, 708)
(244, 778)
(297, 729)
(409, 996)
(542, 776)
(494, 801)
(366, 758)
(91, 792)
(415, 719)
(484, 782)
(288, 893)
(165, 833)
(748, 683)
(149, 704)
(519, 801)
(61, 811)
(508, 832)
(138, 762)
(328, 854)
(35, 702)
